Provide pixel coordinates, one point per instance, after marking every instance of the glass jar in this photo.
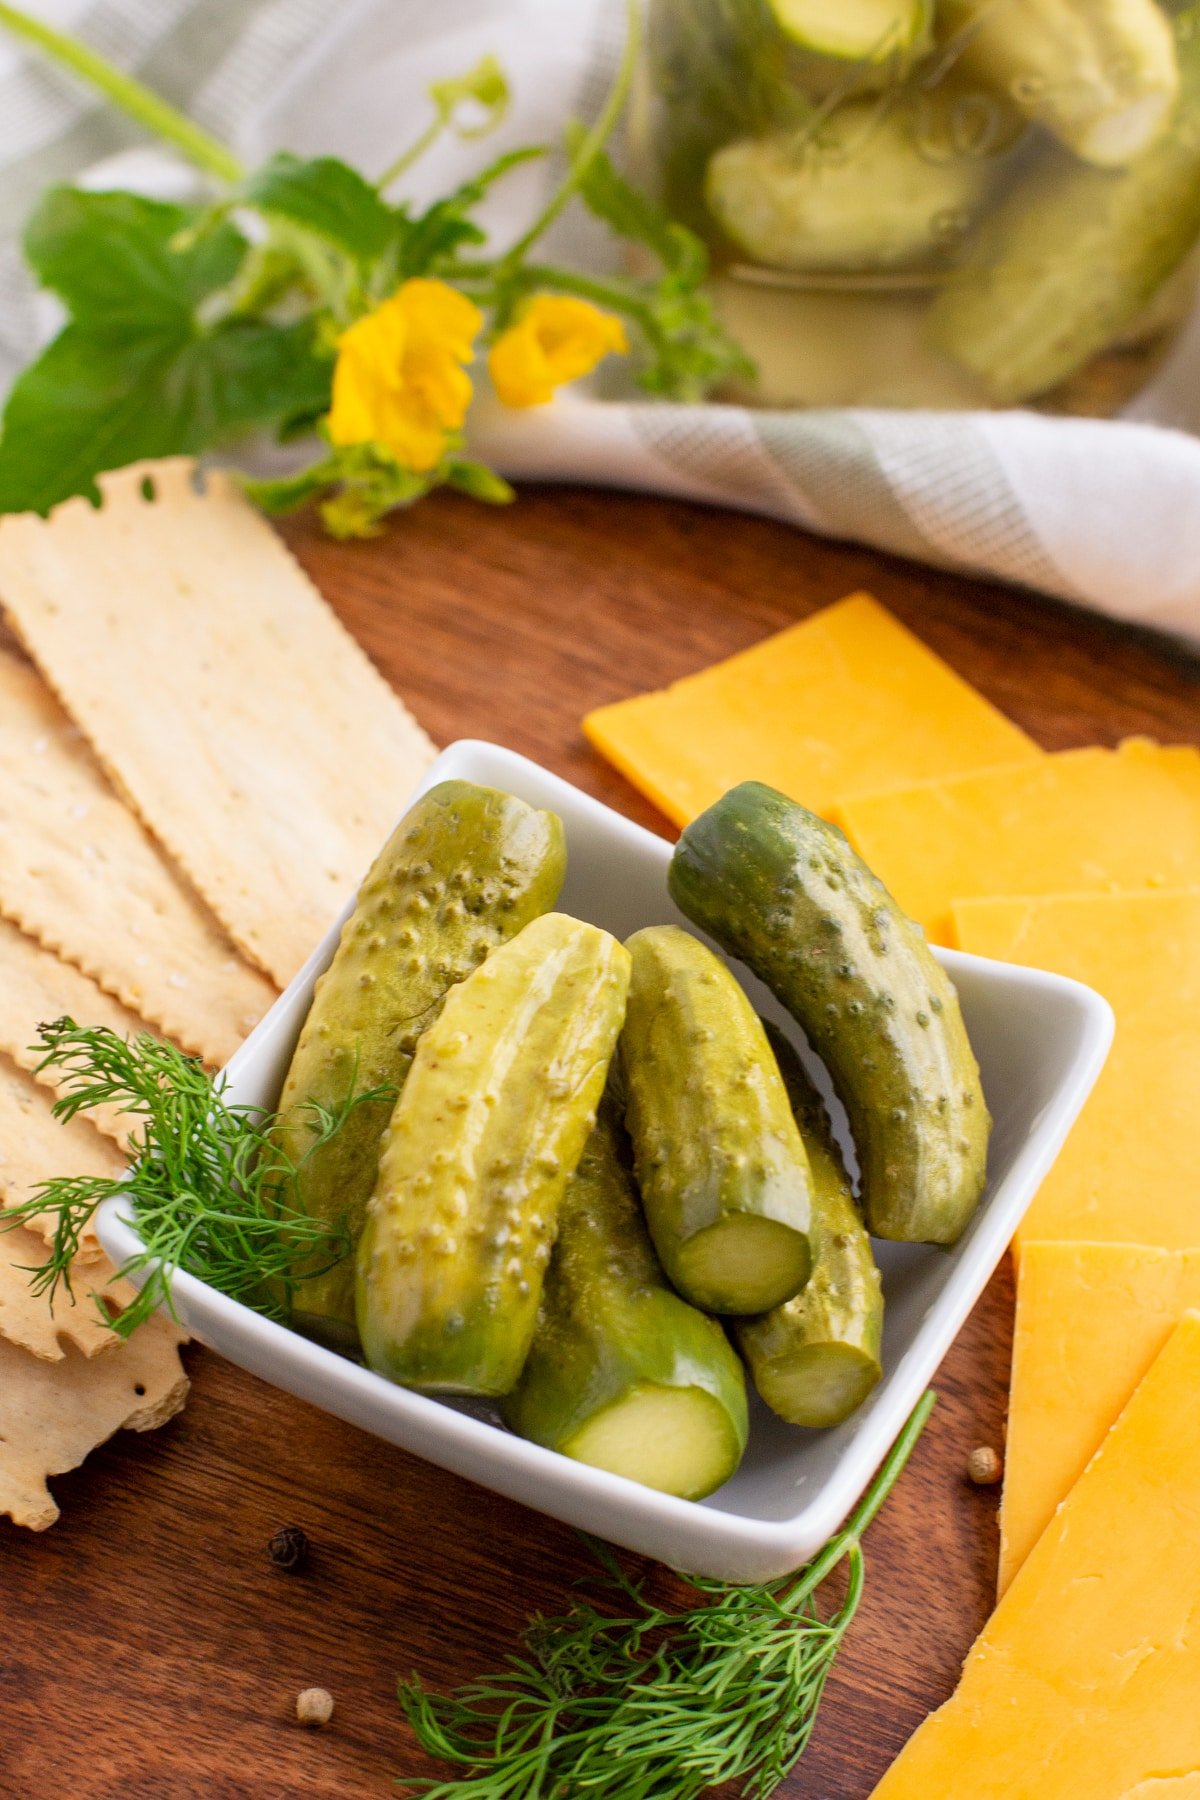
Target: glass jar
(936, 202)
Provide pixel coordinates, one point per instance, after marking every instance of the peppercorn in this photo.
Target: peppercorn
(314, 1707)
(984, 1466)
(288, 1547)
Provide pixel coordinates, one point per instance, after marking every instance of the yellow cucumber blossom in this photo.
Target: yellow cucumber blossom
(555, 339)
(400, 378)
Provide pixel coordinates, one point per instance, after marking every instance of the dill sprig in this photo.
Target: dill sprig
(210, 1190)
(645, 1704)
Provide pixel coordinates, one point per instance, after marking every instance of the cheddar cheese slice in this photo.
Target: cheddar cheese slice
(845, 701)
(1083, 821)
(1130, 1171)
(1083, 1684)
(1091, 1318)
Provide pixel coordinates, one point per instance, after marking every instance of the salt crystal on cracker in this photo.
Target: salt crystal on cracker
(37, 1147)
(79, 872)
(35, 987)
(248, 728)
(46, 1328)
(53, 1413)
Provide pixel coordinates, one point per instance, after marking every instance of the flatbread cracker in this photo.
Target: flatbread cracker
(43, 1328)
(79, 872)
(228, 703)
(53, 1413)
(35, 1147)
(35, 987)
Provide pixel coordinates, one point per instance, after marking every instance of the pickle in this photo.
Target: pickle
(860, 192)
(493, 1118)
(815, 1359)
(868, 31)
(623, 1374)
(719, 1161)
(1101, 75)
(783, 891)
(466, 869)
(1070, 259)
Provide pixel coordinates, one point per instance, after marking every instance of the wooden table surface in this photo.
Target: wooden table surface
(148, 1649)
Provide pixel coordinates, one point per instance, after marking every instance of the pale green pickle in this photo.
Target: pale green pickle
(498, 1105)
(720, 1164)
(623, 1373)
(466, 869)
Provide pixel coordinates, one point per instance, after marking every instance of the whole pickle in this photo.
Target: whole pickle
(466, 869)
(783, 891)
(721, 1168)
(492, 1121)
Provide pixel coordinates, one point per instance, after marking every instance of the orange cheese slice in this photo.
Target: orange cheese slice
(1083, 1684)
(1084, 821)
(1091, 1318)
(1130, 1171)
(845, 701)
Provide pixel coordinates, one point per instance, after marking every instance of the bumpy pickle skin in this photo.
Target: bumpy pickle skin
(722, 1171)
(498, 1105)
(466, 869)
(1070, 259)
(815, 1359)
(624, 1374)
(1101, 75)
(783, 891)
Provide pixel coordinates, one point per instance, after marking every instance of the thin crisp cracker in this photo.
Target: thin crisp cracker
(79, 872)
(247, 727)
(37, 1147)
(46, 1327)
(53, 1413)
(36, 986)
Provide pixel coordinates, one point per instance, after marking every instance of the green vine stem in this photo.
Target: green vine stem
(124, 91)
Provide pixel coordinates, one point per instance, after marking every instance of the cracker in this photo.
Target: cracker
(53, 1413)
(36, 986)
(35, 1147)
(46, 1328)
(80, 873)
(245, 725)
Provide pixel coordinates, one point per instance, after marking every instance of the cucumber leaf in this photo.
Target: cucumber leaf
(123, 261)
(325, 196)
(93, 402)
(139, 371)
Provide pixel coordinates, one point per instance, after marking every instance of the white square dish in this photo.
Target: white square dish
(1041, 1041)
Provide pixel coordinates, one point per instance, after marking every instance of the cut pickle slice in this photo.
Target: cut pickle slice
(856, 30)
(678, 1440)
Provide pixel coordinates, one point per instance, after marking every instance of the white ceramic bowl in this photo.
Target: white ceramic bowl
(1041, 1041)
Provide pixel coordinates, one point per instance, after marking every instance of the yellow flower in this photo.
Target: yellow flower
(399, 378)
(556, 339)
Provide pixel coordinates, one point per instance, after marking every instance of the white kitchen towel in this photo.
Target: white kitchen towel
(1105, 514)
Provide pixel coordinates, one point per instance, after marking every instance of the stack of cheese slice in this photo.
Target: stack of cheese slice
(1086, 862)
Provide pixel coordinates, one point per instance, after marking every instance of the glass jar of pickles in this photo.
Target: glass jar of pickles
(936, 202)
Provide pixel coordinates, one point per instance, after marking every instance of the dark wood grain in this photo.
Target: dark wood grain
(147, 1648)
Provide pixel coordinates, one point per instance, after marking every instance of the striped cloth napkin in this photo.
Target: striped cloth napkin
(1104, 514)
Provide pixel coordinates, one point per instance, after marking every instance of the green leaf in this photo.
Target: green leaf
(114, 259)
(92, 401)
(633, 215)
(435, 236)
(486, 85)
(327, 197)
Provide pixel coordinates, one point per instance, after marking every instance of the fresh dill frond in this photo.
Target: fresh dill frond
(209, 1188)
(645, 1704)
